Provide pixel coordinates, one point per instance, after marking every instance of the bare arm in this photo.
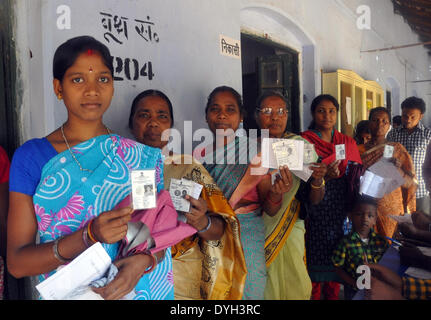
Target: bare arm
(410, 231)
(198, 218)
(272, 195)
(345, 276)
(26, 258)
(317, 188)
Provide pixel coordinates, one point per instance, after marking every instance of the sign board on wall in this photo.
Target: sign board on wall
(230, 47)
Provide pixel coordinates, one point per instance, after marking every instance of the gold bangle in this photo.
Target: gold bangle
(319, 187)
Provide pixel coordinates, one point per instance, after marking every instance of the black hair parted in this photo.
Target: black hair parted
(67, 53)
(231, 90)
(379, 109)
(362, 199)
(317, 101)
(149, 93)
(414, 103)
(362, 127)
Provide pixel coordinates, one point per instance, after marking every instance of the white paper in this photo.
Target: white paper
(389, 152)
(349, 110)
(340, 152)
(419, 272)
(90, 265)
(304, 174)
(143, 189)
(425, 251)
(197, 189)
(178, 189)
(407, 218)
(387, 170)
(309, 153)
(291, 153)
(372, 185)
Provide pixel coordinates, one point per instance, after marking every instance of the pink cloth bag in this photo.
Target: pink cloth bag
(164, 229)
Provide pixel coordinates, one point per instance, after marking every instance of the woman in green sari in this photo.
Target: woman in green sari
(284, 232)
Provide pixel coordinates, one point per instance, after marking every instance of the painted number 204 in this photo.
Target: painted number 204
(130, 69)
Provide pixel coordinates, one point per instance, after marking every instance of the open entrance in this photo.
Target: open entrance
(267, 65)
(14, 289)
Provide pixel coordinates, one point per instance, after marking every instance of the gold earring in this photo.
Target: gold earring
(59, 96)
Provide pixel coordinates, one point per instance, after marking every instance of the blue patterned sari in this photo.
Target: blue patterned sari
(67, 198)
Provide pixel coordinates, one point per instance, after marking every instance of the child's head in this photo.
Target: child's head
(363, 215)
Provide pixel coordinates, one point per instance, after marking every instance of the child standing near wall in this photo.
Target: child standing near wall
(361, 246)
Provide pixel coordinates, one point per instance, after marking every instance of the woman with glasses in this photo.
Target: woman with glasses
(232, 162)
(284, 232)
(324, 223)
(402, 199)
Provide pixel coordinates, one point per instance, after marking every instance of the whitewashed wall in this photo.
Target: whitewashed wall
(186, 61)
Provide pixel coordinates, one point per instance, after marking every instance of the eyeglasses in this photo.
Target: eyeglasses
(267, 111)
(378, 121)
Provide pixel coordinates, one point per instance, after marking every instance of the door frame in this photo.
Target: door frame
(9, 135)
(296, 102)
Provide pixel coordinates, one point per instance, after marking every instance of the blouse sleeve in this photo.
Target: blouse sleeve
(27, 164)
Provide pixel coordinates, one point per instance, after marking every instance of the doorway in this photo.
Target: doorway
(8, 118)
(14, 289)
(267, 65)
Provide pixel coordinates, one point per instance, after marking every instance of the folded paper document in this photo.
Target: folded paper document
(90, 265)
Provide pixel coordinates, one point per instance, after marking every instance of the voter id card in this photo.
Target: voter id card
(340, 152)
(143, 189)
(389, 152)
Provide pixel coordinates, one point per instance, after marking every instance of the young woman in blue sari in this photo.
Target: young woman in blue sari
(66, 187)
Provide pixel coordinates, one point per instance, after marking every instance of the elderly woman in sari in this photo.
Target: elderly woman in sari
(324, 222)
(288, 278)
(233, 163)
(401, 200)
(72, 187)
(209, 264)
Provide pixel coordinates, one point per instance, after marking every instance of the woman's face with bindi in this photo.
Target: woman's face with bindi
(86, 88)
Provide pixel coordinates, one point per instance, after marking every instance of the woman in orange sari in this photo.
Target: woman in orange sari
(402, 200)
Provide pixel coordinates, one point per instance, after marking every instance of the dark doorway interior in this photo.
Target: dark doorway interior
(15, 289)
(269, 66)
(8, 128)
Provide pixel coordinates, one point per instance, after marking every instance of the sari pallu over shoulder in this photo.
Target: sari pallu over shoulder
(67, 198)
(209, 270)
(326, 150)
(238, 180)
(287, 273)
(278, 227)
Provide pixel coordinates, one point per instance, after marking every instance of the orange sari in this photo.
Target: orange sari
(401, 200)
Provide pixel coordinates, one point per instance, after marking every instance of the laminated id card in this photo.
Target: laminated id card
(143, 189)
(178, 189)
(389, 152)
(340, 152)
